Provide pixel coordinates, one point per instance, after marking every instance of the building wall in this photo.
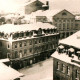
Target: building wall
(32, 7)
(65, 23)
(5, 49)
(77, 24)
(41, 19)
(35, 45)
(59, 75)
(41, 49)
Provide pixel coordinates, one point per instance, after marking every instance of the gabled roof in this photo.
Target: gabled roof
(73, 40)
(66, 11)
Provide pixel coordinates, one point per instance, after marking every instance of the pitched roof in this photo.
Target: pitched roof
(7, 73)
(68, 59)
(73, 40)
(45, 13)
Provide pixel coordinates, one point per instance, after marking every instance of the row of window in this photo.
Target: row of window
(31, 33)
(65, 26)
(39, 49)
(63, 68)
(21, 53)
(36, 41)
(44, 48)
(65, 20)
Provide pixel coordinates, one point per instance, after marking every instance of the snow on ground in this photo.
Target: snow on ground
(39, 71)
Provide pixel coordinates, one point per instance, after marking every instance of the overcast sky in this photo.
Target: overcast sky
(17, 5)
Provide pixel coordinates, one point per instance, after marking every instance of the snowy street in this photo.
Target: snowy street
(39, 71)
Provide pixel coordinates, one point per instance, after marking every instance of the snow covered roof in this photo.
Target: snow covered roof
(71, 50)
(61, 46)
(31, 1)
(65, 58)
(7, 73)
(9, 28)
(4, 60)
(62, 57)
(45, 13)
(73, 40)
(77, 17)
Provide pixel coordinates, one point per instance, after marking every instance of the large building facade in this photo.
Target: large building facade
(65, 23)
(66, 59)
(28, 43)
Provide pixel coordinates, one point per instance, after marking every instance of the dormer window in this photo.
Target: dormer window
(40, 31)
(30, 33)
(15, 35)
(2, 34)
(21, 34)
(27, 33)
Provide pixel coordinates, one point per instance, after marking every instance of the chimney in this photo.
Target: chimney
(46, 6)
(47, 3)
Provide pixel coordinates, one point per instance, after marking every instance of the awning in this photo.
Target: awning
(61, 46)
(71, 50)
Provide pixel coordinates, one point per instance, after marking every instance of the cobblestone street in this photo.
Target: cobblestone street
(40, 71)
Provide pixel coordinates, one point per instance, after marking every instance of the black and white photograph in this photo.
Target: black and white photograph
(39, 39)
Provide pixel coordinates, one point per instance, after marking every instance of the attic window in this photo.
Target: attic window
(64, 14)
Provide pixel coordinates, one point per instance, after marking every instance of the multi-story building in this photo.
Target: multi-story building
(34, 5)
(28, 43)
(66, 59)
(65, 23)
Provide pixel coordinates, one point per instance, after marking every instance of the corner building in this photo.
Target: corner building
(28, 43)
(66, 59)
